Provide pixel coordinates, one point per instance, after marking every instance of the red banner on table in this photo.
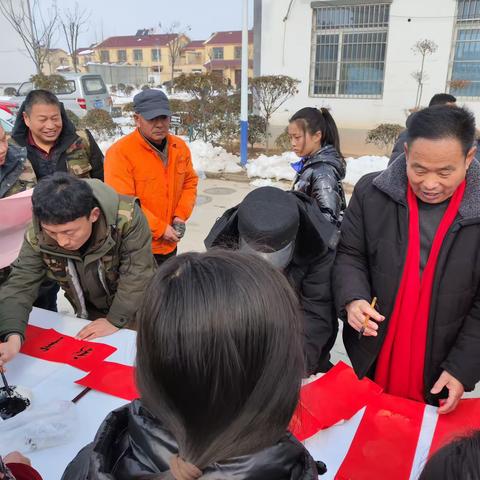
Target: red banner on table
(336, 396)
(112, 378)
(462, 421)
(48, 344)
(385, 442)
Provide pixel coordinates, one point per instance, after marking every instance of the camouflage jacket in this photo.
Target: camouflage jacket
(75, 151)
(107, 280)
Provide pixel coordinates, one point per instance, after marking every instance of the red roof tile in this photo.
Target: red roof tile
(132, 41)
(195, 44)
(225, 38)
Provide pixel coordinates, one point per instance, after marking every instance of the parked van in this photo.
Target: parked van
(83, 92)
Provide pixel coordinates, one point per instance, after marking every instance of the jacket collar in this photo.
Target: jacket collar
(393, 182)
(154, 446)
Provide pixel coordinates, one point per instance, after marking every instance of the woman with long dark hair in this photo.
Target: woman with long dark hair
(219, 368)
(314, 137)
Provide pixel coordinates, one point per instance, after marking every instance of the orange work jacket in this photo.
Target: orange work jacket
(133, 167)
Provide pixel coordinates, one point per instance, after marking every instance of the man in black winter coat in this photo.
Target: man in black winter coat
(288, 230)
(439, 182)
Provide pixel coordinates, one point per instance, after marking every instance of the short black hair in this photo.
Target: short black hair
(61, 198)
(442, 99)
(443, 121)
(43, 97)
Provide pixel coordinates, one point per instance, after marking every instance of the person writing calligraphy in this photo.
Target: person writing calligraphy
(411, 237)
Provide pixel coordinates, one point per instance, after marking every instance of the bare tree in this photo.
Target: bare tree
(424, 48)
(176, 44)
(270, 92)
(72, 22)
(35, 26)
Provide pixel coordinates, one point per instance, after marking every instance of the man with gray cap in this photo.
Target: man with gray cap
(155, 166)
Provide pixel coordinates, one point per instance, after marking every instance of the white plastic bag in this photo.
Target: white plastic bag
(39, 427)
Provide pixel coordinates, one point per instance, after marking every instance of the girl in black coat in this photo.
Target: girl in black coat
(314, 137)
(219, 366)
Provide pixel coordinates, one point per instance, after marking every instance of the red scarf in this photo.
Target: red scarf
(402, 357)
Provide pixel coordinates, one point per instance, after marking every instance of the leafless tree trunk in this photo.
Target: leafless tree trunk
(72, 22)
(423, 48)
(35, 27)
(176, 45)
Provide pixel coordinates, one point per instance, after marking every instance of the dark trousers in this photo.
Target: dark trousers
(47, 296)
(159, 258)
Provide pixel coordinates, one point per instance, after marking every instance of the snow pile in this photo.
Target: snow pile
(207, 158)
(276, 166)
(358, 167)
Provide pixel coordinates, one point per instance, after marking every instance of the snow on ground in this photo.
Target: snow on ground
(207, 158)
(276, 166)
(358, 167)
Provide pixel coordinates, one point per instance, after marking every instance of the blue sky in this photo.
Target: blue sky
(125, 17)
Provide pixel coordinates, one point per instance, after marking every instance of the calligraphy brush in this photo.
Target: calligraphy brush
(8, 388)
(366, 319)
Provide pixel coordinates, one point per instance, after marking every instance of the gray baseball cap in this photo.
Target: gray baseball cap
(151, 104)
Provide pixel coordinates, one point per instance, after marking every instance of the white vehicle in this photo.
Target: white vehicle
(84, 92)
(6, 121)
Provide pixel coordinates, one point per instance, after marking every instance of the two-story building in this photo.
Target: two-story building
(358, 57)
(143, 49)
(223, 53)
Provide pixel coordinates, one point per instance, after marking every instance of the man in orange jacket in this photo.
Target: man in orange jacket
(155, 166)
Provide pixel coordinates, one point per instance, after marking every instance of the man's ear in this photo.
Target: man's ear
(26, 119)
(94, 214)
(470, 156)
(405, 149)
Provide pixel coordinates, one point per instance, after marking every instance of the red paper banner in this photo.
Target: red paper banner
(336, 396)
(112, 378)
(462, 421)
(385, 442)
(48, 344)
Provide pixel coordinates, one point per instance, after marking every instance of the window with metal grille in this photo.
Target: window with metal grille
(217, 53)
(121, 55)
(155, 54)
(465, 58)
(137, 55)
(238, 52)
(104, 56)
(348, 50)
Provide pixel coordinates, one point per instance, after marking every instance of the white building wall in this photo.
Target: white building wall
(286, 50)
(15, 64)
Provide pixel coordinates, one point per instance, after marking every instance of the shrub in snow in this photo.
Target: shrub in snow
(257, 129)
(145, 87)
(113, 89)
(128, 90)
(100, 122)
(384, 135)
(121, 87)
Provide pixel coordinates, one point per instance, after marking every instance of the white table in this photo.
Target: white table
(49, 381)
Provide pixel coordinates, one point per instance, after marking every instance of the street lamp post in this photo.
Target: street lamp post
(244, 89)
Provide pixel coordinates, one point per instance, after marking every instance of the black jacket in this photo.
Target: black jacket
(370, 260)
(321, 178)
(58, 157)
(131, 443)
(309, 273)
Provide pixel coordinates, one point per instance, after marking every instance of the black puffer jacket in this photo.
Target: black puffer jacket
(58, 155)
(321, 178)
(308, 272)
(370, 259)
(131, 443)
